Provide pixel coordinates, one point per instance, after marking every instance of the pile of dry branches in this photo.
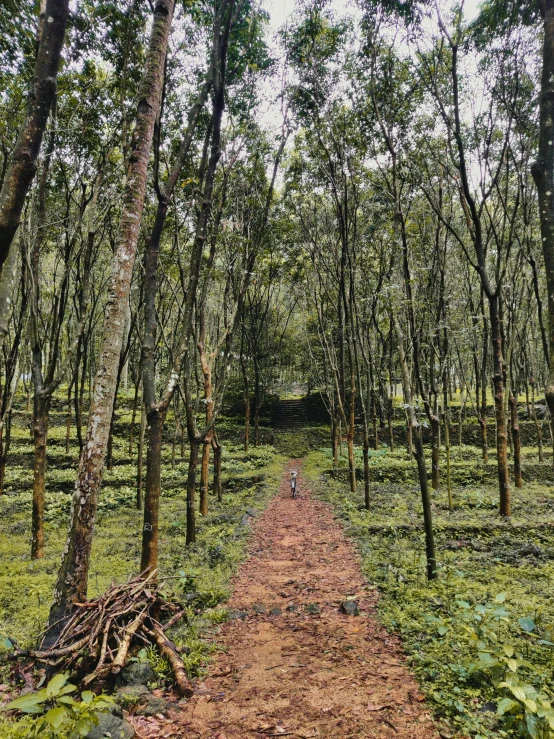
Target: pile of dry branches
(97, 637)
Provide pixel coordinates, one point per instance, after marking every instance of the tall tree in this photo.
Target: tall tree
(73, 574)
(24, 158)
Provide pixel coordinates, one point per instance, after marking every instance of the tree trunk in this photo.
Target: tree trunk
(68, 416)
(246, 395)
(435, 452)
(427, 513)
(133, 418)
(191, 490)
(517, 442)
(447, 447)
(217, 468)
(257, 402)
(335, 442)
(499, 408)
(204, 474)
(366, 473)
(543, 174)
(409, 440)
(155, 424)
(538, 427)
(140, 457)
(414, 427)
(23, 161)
(40, 436)
(247, 426)
(2, 462)
(461, 427)
(375, 430)
(73, 574)
(351, 459)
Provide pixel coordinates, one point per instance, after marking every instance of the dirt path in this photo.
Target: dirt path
(293, 664)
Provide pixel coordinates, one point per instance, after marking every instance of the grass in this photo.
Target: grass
(480, 559)
(26, 587)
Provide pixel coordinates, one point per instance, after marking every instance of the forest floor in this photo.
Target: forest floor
(291, 662)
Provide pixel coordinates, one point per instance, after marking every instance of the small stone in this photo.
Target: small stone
(192, 597)
(350, 608)
(132, 693)
(251, 512)
(313, 608)
(259, 608)
(488, 707)
(138, 673)
(238, 615)
(116, 710)
(275, 611)
(111, 726)
(153, 706)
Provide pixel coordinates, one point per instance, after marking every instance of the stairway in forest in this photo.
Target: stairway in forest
(290, 414)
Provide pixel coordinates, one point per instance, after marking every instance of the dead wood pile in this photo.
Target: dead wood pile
(97, 638)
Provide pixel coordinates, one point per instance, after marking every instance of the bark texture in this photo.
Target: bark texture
(23, 162)
(73, 574)
(543, 174)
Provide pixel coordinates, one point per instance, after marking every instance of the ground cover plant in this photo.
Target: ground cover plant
(197, 576)
(480, 637)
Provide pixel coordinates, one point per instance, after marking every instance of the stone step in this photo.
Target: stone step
(290, 414)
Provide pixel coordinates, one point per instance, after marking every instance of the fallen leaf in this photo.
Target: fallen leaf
(374, 707)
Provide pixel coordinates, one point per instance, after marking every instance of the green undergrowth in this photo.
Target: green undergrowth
(199, 575)
(480, 639)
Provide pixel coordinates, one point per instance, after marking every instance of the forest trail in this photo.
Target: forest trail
(305, 669)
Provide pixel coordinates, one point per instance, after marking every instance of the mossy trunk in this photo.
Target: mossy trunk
(543, 174)
(217, 489)
(435, 452)
(40, 438)
(72, 578)
(517, 442)
(140, 458)
(204, 474)
(150, 529)
(191, 490)
(366, 473)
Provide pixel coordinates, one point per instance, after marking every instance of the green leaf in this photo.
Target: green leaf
(500, 598)
(7, 643)
(55, 685)
(30, 703)
(508, 650)
(531, 705)
(442, 630)
(506, 705)
(56, 716)
(518, 692)
(84, 725)
(527, 624)
(531, 724)
(87, 696)
(67, 700)
(512, 664)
